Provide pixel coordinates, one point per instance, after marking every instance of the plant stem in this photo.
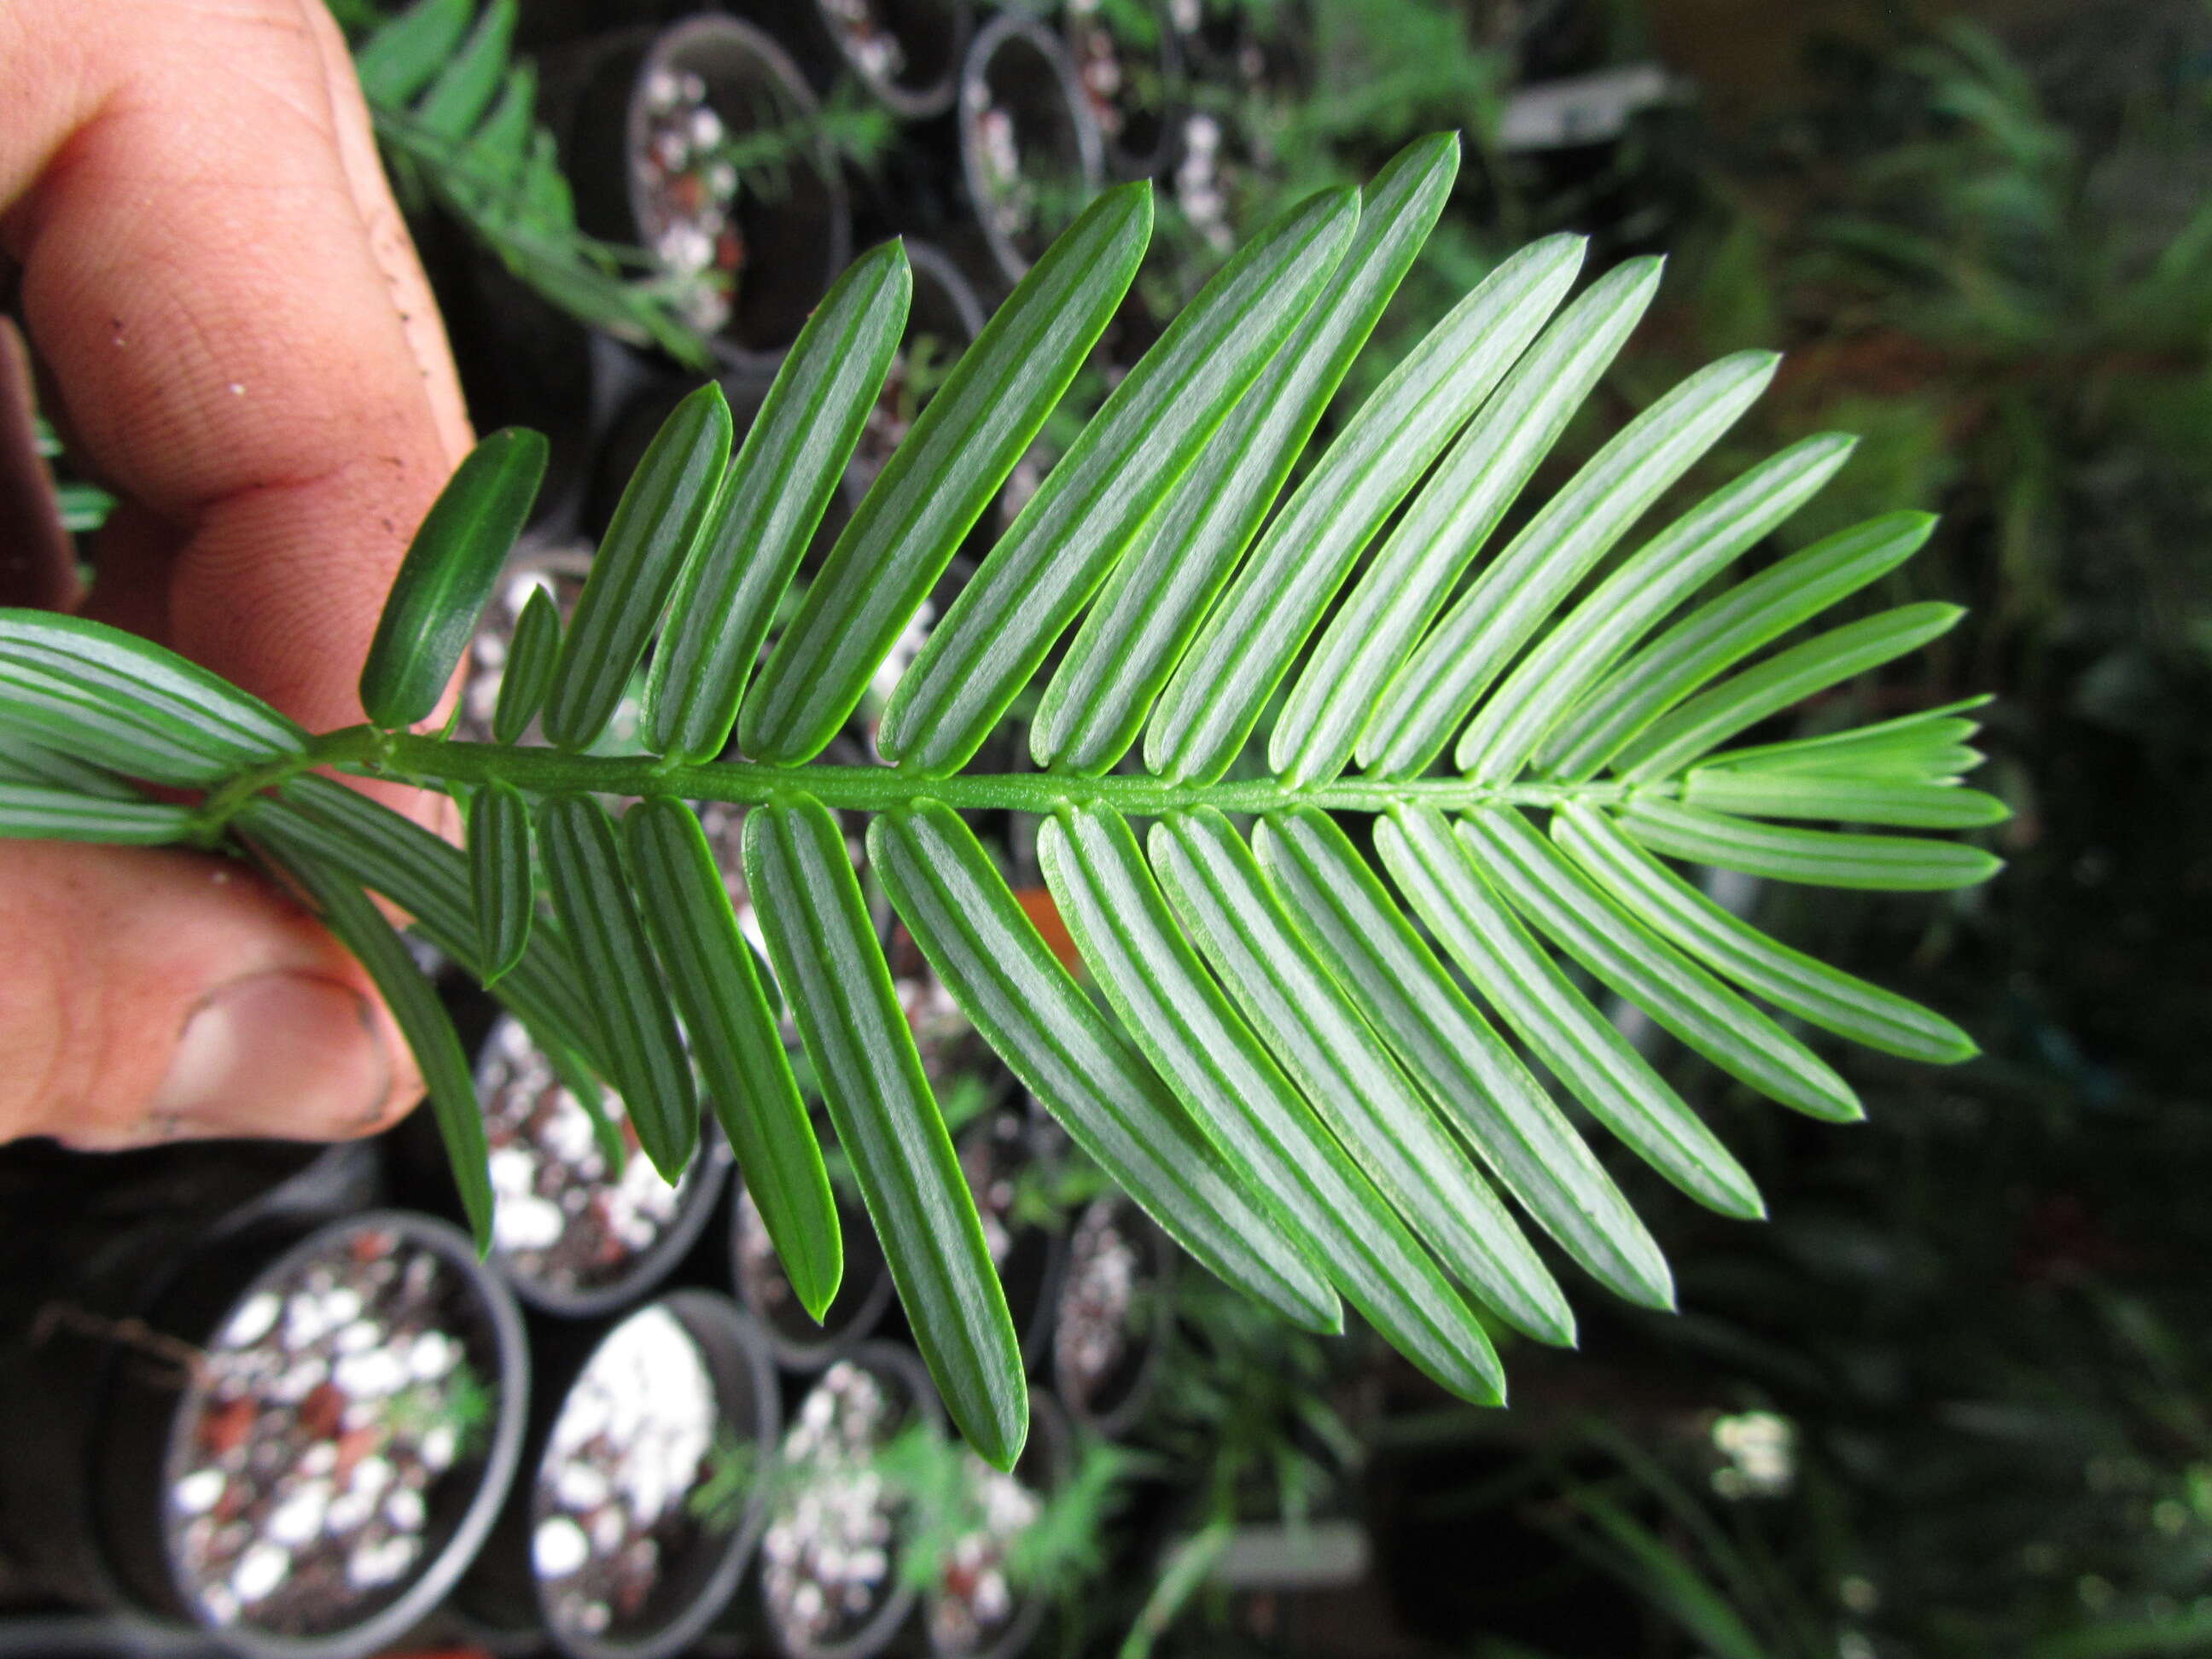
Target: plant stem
(406, 757)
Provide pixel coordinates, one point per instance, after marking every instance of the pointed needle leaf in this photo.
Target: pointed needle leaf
(1007, 980)
(528, 672)
(771, 505)
(1052, 557)
(34, 812)
(941, 478)
(1269, 1135)
(710, 968)
(833, 972)
(655, 526)
(1816, 858)
(644, 1055)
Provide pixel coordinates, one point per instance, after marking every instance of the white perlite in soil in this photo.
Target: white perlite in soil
(631, 1445)
(827, 1557)
(974, 1599)
(332, 1406)
(561, 1218)
(687, 205)
(1092, 1332)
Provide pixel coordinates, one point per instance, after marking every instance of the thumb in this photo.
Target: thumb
(164, 995)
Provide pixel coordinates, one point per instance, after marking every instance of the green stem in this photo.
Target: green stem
(407, 758)
(877, 788)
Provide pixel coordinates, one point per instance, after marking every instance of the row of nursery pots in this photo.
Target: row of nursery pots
(310, 1436)
(1036, 117)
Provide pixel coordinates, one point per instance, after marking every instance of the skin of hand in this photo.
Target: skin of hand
(238, 341)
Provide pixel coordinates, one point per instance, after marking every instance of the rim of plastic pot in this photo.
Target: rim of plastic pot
(951, 294)
(746, 1397)
(729, 55)
(945, 23)
(1135, 1395)
(696, 1196)
(1124, 160)
(1047, 90)
(797, 1342)
(1051, 1441)
(883, 1359)
(141, 1456)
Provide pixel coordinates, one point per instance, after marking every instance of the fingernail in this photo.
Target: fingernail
(280, 1054)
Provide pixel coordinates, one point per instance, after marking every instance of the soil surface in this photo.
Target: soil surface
(687, 199)
(1106, 1313)
(332, 1409)
(828, 1557)
(974, 1598)
(562, 1218)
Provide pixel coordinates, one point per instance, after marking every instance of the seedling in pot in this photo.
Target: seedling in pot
(332, 1408)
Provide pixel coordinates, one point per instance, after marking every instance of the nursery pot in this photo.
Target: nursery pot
(373, 1368)
(942, 320)
(970, 1611)
(821, 1533)
(1111, 1322)
(1030, 152)
(863, 1297)
(1131, 75)
(905, 52)
(649, 158)
(642, 1493)
(571, 1236)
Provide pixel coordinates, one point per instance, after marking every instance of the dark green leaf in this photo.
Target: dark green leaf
(856, 1034)
(1817, 858)
(1028, 1007)
(499, 877)
(528, 672)
(1161, 589)
(1248, 1108)
(655, 527)
(1414, 1004)
(30, 811)
(1530, 994)
(644, 1054)
(771, 505)
(1348, 1076)
(24, 762)
(1052, 557)
(945, 473)
(741, 1056)
(361, 927)
(1813, 991)
(1583, 921)
(449, 572)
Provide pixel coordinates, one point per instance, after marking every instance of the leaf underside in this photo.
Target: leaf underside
(1335, 1038)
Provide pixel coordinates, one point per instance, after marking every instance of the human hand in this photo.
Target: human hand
(242, 347)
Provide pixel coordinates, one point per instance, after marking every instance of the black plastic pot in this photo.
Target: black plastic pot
(906, 52)
(794, 228)
(1133, 84)
(887, 1628)
(863, 1298)
(1046, 1463)
(942, 320)
(508, 1059)
(506, 1591)
(1106, 1386)
(1028, 150)
(152, 1383)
